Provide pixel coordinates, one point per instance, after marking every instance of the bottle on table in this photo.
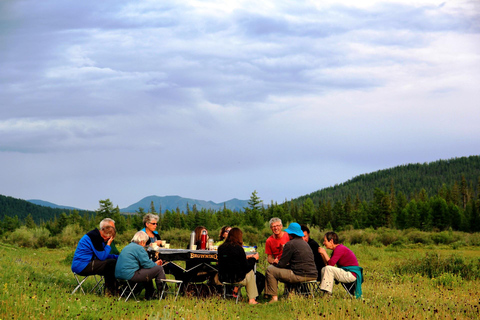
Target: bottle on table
(203, 242)
(192, 240)
(210, 244)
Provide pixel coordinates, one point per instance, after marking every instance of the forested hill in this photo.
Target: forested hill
(409, 179)
(10, 207)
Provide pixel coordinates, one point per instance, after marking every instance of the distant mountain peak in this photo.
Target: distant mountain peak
(172, 202)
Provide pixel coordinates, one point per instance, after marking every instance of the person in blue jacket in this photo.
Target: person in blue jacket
(134, 265)
(92, 255)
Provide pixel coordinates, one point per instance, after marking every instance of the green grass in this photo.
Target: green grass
(36, 284)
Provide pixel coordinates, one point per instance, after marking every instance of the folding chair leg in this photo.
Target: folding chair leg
(79, 283)
(130, 291)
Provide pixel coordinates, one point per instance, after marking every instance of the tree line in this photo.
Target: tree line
(435, 196)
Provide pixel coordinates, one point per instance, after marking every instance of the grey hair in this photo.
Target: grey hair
(273, 220)
(106, 222)
(139, 237)
(149, 217)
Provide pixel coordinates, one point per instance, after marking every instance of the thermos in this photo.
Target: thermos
(192, 239)
(203, 244)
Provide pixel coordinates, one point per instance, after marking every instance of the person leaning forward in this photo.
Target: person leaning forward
(92, 255)
(134, 265)
(348, 269)
(296, 264)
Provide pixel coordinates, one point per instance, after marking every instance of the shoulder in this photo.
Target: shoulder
(313, 243)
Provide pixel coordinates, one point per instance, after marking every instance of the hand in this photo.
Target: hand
(322, 251)
(109, 242)
(158, 242)
(256, 256)
(275, 261)
(159, 262)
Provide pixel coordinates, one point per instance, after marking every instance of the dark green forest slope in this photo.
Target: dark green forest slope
(11, 207)
(408, 179)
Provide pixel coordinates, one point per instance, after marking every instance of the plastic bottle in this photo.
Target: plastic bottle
(210, 244)
(203, 243)
(192, 240)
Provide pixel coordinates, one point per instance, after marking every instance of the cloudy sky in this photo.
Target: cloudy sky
(215, 99)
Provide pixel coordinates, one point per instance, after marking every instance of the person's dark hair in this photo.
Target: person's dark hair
(198, 233)
(331, 235)
(235, 236)
(305, 228)
(222, 232)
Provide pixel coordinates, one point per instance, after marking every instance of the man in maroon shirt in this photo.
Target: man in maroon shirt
(348, 269)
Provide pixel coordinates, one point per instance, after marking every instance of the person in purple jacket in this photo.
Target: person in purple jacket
(92, 255)
(347, 270)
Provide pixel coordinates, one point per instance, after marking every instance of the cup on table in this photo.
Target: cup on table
(167, 245)
(164, 242)
(194, 247)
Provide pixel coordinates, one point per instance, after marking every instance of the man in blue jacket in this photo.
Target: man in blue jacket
(92, 255)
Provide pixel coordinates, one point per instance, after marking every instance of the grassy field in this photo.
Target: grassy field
(36, 284)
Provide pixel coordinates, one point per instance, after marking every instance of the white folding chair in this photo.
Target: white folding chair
(129, 291)
(98, 283)
(165, 288)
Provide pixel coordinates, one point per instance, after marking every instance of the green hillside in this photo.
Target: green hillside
(11, 207)
(408, 179)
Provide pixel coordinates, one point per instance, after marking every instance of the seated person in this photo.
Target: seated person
(235, 267)
(134, 265)
(314, 246)
(296, 264)
(150, 221)
(223, 235)
(348, 270)
(92, 255)
(275, 243)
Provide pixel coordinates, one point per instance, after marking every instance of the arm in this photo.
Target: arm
(286, 255)
(143, 259)
(101, 255)
(324, 255)
(271, 259)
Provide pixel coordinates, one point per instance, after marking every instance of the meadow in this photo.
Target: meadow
(413, 281)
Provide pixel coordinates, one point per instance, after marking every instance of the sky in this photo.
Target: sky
(212, 100)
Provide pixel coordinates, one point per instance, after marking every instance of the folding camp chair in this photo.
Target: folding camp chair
(350, 288)
(128, 290)
(164, 289)
(98, 283)
(306, 288)
(228, 290)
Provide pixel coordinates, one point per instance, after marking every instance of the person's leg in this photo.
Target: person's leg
(146, 276)
(330, 273)
(251, 287)
(272, 276)
(106, 268)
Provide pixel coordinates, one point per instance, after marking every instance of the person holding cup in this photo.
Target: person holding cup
(150, 221)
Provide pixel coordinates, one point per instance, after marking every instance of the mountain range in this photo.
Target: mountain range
(174, 202)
